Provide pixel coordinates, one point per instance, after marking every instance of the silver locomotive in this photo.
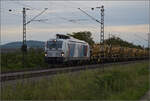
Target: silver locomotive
(66, 49)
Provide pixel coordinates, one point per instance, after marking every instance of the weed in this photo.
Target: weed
(128, 82)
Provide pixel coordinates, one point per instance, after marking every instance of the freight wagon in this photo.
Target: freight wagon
(116, 53)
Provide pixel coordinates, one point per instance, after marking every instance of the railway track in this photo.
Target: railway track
(41, 72)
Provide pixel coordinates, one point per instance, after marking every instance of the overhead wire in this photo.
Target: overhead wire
(77, 22)
(139, 40)
(24, 5)
(141, 44)
(37, 15)
(7, 11)
(141, 37)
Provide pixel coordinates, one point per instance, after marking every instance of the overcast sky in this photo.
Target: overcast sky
(128, 20)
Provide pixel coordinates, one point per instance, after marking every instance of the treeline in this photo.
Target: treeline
(12, 59)
(87, 37)
(120, 42)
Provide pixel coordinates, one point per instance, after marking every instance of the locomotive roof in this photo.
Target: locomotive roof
(70, 39)
(76, 40)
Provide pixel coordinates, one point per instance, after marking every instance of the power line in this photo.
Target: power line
(134, 40)
(140, 37)
(75, 21)
(25, 5)
(6, 11)
(101, 22)
(37, 16)
(89, 15)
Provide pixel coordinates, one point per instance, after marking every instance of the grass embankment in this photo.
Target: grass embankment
(11, 61)
(121, 82)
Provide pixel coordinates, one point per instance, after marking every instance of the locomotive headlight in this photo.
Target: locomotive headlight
(62, 53)
(46, 54)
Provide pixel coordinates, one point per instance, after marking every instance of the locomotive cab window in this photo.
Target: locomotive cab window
(54, 44)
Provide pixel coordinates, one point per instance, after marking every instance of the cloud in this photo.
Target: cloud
(127, 29)
(144, 28)
(127, 33)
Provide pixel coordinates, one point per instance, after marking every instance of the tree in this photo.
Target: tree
(85, 36)
(120, 42)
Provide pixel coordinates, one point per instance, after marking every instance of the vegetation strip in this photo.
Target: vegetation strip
(11, 55)
(27, 74)
(127, 83)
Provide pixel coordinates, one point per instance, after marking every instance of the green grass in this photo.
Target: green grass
(13, 60)
(120, 82)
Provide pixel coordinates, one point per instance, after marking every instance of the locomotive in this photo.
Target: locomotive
(66, 49)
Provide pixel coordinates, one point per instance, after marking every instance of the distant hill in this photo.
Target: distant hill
(18, 44)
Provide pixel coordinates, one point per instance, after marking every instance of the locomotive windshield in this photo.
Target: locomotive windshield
(54, 44)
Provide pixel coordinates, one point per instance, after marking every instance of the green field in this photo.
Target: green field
(119, 82)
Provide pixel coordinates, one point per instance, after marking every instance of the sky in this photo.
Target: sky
(128, 20)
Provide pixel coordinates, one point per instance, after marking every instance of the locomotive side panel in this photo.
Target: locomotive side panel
(78, 51)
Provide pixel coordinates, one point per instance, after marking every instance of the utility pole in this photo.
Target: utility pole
(149, 44)
(109, 35)
(24, 45)
(148, 40)
(101, 31)
(102, 54)
(101, 24)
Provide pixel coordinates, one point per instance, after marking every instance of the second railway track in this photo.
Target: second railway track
(52, 71)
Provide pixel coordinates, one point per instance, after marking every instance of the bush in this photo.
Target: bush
(13, 60)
